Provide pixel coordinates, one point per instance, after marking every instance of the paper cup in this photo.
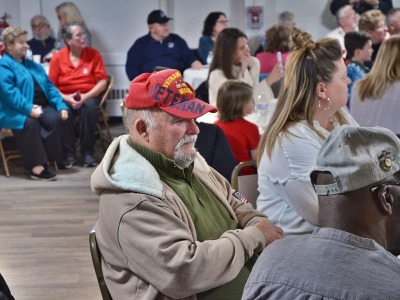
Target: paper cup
(37, 58)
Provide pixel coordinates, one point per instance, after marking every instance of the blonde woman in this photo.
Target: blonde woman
(311, 103)
(68, 12)
(375, 98)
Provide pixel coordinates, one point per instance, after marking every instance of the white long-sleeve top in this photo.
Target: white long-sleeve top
(286, 194)
(251, 77)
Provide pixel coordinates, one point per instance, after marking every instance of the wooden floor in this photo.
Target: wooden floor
(44, 233)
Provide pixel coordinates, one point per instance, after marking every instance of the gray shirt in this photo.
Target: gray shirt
(383, 111)
(327, 264)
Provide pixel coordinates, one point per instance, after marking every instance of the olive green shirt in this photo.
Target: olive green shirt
(210, 217)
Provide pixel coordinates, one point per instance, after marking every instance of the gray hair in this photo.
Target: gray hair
(391, 15)
(40, 17)
(341, 11)
(286, 18)
(131, 115)
(66, 32)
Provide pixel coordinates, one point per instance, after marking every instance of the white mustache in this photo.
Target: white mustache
(187, 139)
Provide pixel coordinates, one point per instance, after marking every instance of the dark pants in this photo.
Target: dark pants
(88, 117)
(40, 139)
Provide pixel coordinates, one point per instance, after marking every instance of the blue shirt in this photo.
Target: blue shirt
(17, 91)
(327, 264)
(41, 47)
(206, 45)
(147, 53)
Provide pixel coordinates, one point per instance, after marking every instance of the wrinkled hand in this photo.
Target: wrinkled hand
(34, 113)
(270, 231)
(196, 65)
(244, 63)
(274, 75)
(71, 101)
(64, 114)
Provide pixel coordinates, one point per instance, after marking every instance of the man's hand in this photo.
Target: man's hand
(197, 65)
(270, 231)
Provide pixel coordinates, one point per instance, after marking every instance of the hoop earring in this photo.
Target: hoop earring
(324, 108)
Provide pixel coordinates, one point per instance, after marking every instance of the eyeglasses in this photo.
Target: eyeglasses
(373, 189)
(222, 21)
(39, 26)
(80, 35)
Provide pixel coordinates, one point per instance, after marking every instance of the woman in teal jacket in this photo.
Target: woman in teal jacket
(30, 106)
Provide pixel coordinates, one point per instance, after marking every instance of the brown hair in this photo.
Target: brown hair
(232, 97)
(370, 19)
(278, 39)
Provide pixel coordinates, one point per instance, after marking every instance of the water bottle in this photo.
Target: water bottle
(210, 57)
(29, 54)
(262, 111)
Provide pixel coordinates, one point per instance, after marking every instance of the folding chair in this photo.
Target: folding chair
(6, 155)
(247, 185)
(96, 258)
(106, 138)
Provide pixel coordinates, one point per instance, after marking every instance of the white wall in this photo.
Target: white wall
(115, 24)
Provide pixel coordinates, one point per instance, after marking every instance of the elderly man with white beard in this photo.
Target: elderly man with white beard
(43, 41)
(170, 226)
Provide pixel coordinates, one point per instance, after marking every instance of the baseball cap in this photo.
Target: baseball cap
(167, 91)
(356, 157)
(157, 16)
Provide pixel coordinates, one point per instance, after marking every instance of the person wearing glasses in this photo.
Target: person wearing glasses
(214, 23)
(42, 42)
(352, 253)
(79, 74)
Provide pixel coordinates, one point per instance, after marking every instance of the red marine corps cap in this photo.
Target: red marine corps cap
(167, 91)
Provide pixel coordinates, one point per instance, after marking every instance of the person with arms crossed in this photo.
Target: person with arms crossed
(170, 226)
(159, 48)
(352, 252)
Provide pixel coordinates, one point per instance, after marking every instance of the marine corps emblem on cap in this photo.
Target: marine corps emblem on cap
(385, 161)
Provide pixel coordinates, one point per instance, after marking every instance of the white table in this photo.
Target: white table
(195, 77)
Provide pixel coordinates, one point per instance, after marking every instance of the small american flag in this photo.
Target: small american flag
(240, 197)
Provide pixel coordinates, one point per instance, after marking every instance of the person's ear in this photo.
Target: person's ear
(385, 199)
(357, 52)
(141, 129)
(321, 90)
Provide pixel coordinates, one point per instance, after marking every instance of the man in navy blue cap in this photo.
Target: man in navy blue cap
(159, 48)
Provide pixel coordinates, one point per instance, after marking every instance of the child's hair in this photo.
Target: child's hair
(232, 97)
(355, 40)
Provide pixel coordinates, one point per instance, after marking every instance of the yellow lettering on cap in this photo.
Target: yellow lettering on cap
(171, 78)
(185, 91)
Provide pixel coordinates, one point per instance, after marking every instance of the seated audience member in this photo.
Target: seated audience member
(234, 101)
(393, 21)
(213, 25)
(361, 6)
(5, 293)
(311, 103)
(347, 20)
(30, 106)
(42, 42)
(285, 18)
(78, 72)
(359, 51)
(278, 38)
(347, 256)
(232, 60)
(68, 12)
(169, 226)
(159, 48)
(212, 144)
(375, 98)
(373, 23)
